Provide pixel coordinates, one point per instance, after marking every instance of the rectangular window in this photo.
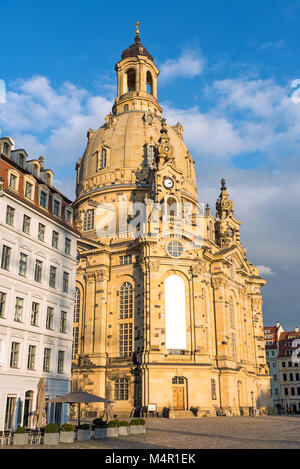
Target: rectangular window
(26, 224)
(66, 282)
(49, 317)
(68, 215)
(28, 190)
(43, 199)
(55, 237)
(38, 271)
(5, 260)
(60, 362)
(286, 391)
(10, 215)
(19, 309)
(63, 321)
(291, 377)
(2, 304)
(284, 377)
(67, 246)
(126, 259)
(14, 354)
(125, 340)
(121, 389)
(46, 361)
(35, 313)
(290, 364)
(292, 391)
(297, 377)
(41, 232)
(283, 364)
(13, 181)
(56, 208)
(31, 357)
(52, 277)
(23, 264)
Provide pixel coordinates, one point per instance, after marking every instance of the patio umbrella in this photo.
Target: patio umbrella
(79, 397)
(40, 412)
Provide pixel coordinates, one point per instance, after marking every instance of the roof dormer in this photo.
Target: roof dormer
(19, 156)
(6, 146)
(34, 166)
(47, 176)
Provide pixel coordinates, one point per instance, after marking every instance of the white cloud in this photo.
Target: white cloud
(54, 122)
(188, 65)
(265, 270)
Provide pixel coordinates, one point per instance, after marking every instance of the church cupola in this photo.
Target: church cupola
(137, 79)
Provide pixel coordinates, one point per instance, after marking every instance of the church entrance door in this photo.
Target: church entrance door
(178, 398)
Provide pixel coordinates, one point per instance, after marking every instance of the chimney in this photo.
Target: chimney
(277, 324)
(296, 329)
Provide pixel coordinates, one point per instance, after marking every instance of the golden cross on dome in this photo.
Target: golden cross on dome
(137, 31)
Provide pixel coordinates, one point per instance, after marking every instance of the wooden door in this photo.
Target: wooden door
(178, 398)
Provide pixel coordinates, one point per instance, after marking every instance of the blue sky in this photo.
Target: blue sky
(227, 69)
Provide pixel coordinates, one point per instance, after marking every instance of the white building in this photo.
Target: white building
(37, 287)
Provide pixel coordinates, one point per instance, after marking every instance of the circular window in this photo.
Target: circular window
(174, 249)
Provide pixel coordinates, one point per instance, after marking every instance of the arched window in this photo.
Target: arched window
(130, 74)
(102, 161)
(77, 304)
(149, 83)
(175, 313)
(213, 389)
(126, 300)
(172, 207)
(89, 220)
(121, 389)
(126, 108)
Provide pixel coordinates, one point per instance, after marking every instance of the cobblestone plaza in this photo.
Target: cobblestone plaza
(272, 432)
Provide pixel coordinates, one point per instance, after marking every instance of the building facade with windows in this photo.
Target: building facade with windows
(283, 360)
(168, 307)
(37, 287)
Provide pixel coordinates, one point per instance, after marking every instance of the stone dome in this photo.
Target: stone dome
(125, 139)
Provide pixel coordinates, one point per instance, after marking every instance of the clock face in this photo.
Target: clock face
(167, 148)
(168, 183)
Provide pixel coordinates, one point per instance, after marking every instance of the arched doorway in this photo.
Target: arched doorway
(179, 392)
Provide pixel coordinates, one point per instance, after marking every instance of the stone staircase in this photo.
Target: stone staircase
(181, 414)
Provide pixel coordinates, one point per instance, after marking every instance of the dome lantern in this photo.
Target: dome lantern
(137, 79)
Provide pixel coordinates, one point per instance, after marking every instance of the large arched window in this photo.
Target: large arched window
(131, 80)
(149, 83)
(89, 220)
(175, 313)
(172, 207)
(126, 300)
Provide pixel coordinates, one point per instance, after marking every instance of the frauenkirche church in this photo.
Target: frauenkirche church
(168, 307)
